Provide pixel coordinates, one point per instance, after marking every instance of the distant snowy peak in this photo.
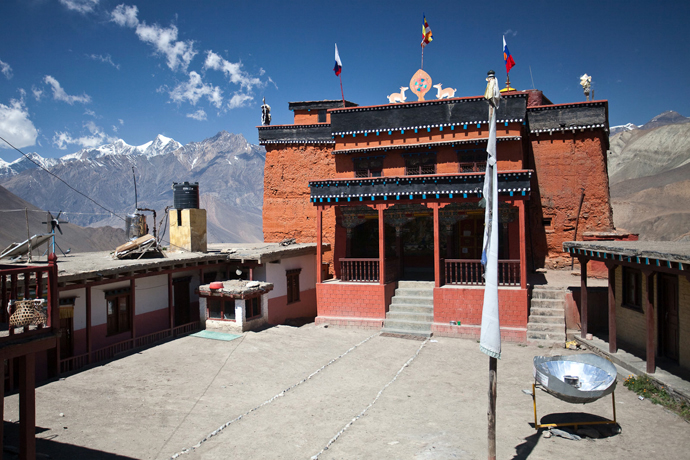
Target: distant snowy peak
(161, 145)
(620, 128)
(23, 163)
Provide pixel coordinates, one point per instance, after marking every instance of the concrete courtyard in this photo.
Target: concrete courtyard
(160, 402)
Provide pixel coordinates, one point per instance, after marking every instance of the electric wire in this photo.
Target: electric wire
(61, 179)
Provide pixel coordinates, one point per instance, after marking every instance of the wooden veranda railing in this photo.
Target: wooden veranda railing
(25, 283)
(367, 270)
(74, 363)
(470, 272)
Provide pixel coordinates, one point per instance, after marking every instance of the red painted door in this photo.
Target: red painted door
(667, 289)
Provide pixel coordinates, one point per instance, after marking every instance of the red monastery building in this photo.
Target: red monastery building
(395, 190)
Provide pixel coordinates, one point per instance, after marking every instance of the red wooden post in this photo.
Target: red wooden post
(319, 240)
(382, 246)
(88, 322)
(54, 313)
(437, 246)
(39, 284)
(2, 401)
(133, 312)
(3, 307)
(27, 406)
(583, 298)
(649, 313)
(613, 347)
(523, 245)
(170, 302)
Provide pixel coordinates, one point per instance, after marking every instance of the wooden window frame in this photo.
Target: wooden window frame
(120, 321)
(632, 294)
(470, 161)
(226, 304)
(252, 308)
(427, 164)
(368, 166)
(292, 280)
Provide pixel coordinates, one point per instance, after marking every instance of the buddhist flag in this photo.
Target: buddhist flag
(426, 33)
(338, 65)
(507, 57)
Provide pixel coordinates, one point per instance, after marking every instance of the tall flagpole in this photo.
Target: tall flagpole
(341, 89)
(490, 339)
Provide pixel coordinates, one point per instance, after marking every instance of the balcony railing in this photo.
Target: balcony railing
(470, 272)
(25, 283)
(359, 270)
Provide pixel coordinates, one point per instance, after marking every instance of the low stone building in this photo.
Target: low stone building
(234, 305)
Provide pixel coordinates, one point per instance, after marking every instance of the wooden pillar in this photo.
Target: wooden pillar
(649, 313)
(382, 246)
(399, 250)
(54, 312)
(523, 244)
(27, 407)
(613, 347)
(2, 404)
(584, 324)
(3, 308)
(171, 310)
(437, 245)
(251, 273)
(133, 310)
(319, 240)
(88, 321)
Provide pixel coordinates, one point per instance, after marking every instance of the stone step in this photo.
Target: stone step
(547, 342)
(548, 293)
(405, 325)
(389, 330)
(412, 300)
(550, 337)
(546, 319)
(410, 316)
(416, 284)
(412, 308)
(548, 303)
(545, 327)
(539, 311)
(406, 292)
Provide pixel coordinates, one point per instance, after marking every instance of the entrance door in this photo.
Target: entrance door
(65, 337)
(181, 301)
(667, 300)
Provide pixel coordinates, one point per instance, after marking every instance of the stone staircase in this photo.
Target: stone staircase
(412, 309)
(546, 325)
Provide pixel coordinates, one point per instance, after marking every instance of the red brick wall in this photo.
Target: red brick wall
(353, 300)
(566, 163)
(465, 305)
(287, 212)
(279, 310)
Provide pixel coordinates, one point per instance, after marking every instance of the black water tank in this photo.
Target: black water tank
(185, 195)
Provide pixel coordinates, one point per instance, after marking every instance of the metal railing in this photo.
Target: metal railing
(74, 363)
(25, 283)
(470, 272)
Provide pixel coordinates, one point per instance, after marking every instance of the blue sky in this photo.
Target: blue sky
(78, 73)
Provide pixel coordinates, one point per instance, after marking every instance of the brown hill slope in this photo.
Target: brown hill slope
(13, 228)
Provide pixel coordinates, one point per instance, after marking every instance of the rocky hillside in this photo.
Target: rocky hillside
(229, 171)
(649, 175)
(78, 239)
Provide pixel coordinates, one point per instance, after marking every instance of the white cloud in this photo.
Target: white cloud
(38, 93)
(198, 115)
(15, 125)
(6, 69)
(163, 39)
(95, 138)
(232, 70)
(90, 113)
(510, 32)
(125, 16)
(59, 94)
(106, 59)
(239, 100)
(80, 6)
(122, 122)
(195, 89)
(115, 128)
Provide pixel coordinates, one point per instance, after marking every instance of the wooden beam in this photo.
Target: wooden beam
(88, 322)
(613, 346)
(523, 244)
(437, 247)
(584, 324)
(649, 314)
(319, 240)
(19, 347)
(382, 246)
(27, 407)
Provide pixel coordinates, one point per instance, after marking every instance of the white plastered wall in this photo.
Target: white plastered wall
(79, 307)
(275, 273)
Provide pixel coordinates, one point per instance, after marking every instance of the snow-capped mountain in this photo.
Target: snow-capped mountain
(228, 168)
(620, 128)
(22, 164)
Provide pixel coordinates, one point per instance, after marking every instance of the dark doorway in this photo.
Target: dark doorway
(418, 249)
(667, 301)
(181, 302)
(66, 343)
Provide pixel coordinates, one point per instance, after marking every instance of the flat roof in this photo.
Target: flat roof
(623, 250)
(101, 265)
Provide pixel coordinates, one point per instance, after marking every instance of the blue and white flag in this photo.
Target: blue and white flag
(338, 64)
(490, 339)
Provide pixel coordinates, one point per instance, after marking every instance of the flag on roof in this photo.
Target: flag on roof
(426, 32)
(510, 63)
(338, 65)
